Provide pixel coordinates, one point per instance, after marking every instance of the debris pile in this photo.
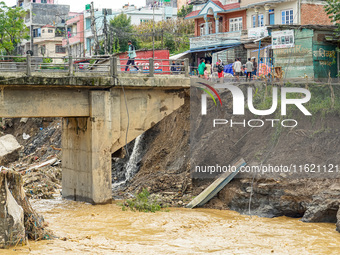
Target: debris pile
(42, 179)
(31, 147)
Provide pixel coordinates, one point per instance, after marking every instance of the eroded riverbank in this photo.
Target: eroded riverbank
(106, 229)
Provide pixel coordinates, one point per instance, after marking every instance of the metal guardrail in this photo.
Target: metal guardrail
(108, 65)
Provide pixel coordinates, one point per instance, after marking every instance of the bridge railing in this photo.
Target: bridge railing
(154, 66)
(103, 65)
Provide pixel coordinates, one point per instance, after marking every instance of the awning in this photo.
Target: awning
(262, 48)
(222, 47)
(180, 55)
(260, 39)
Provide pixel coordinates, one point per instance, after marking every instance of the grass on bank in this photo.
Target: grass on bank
(142, 203)
(325, 99)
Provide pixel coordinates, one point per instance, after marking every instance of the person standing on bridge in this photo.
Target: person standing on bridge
(201, 68)
(132, 55)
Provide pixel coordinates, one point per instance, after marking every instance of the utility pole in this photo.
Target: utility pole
(67, 39)
(31, 34)
(153, 30)
(94, 30)
(105, 33)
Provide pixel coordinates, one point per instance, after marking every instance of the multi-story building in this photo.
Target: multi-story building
(40, 13)
(148, 13)
(75, 35)
(172, 3)
(49, 43)
(99, 26)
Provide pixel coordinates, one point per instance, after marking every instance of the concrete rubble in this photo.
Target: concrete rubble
(9, 149)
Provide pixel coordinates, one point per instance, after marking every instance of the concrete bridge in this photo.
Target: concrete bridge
(96, 109)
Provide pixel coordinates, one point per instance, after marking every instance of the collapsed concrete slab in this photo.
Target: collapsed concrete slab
(9, 149)
(12, 229)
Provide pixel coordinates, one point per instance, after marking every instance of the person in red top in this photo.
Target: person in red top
(220, 67)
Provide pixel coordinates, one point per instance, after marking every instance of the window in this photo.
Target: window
(37, 32)
(235, 24)
(87, 23)
(271, 17)
(210, 31)
(220, 25)
(50, 31)
(287, 16)
(202, 29)
(261, 21)
(43, 50)
(59, 49)
(44, 1)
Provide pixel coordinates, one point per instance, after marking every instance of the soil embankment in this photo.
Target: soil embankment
(165, 166)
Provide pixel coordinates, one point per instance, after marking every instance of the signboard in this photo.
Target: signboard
(282, 39)
(161, 59)
(257, 32)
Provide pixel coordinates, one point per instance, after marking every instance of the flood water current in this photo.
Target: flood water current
(106, 229)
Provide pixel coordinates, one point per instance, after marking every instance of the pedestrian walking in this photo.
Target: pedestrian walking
(237, 68)
(220, 68)
(201, 68)
(206, 74)
(249, 69)
(254, 66)
(208, 66)
(132, 55)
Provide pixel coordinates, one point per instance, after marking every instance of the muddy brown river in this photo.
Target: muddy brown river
(106, 229)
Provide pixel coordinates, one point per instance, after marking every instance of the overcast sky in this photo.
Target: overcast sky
(79, 5)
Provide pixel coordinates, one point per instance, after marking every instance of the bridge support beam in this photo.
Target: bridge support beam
(86, 154)
(88, 142)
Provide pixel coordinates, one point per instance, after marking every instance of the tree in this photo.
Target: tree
(332, 8)
(12, 28)
(121, 31)
(184, 11)
(173, 34)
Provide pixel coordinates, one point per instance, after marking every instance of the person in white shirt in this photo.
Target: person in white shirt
(237, 68)
(249, 68)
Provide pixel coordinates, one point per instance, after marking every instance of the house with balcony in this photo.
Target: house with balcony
(49, 42)
(218, 26)
(75, 35)
(40, 13)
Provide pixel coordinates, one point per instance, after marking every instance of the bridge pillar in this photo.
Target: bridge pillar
(86, 155)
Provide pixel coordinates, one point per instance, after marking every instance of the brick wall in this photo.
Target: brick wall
(314, 14)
